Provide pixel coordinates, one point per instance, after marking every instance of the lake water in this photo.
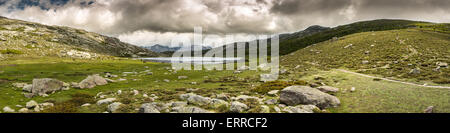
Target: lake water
(195, 60)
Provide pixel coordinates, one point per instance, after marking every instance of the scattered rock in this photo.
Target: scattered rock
(86, 104)
(215, 103)
(190, 110)
(182, 77)
(166, 80)
(414, 71)
(19, 85)
(353, 89)
(277, 109)
(192, 98)
(223, 96)
(237, 72)
(23, 110)
(328, 89)
(429, 109)
(264, 109)
(135, 92)
(148, 108)
(271, 101)
(238, 107)
(348, 46)
(28, 88)
(92, 81)
(365, 62)
(119, 92)
(295, 95)
(301, 109)
(106, 101)
(114, 107)
(245, 98)
(8, 110)
(273, 92)
(178, 104)
(442, 64)
(32, 104)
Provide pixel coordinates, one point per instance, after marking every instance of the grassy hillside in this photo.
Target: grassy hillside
(26, 39)
(292, 45)
(393, 53)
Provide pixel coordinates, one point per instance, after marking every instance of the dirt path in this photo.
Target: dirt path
(402, 82)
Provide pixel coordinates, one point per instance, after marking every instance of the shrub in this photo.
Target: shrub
(65, 107)
(79, 99)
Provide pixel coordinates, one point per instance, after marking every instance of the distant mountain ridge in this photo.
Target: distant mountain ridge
(160, 48)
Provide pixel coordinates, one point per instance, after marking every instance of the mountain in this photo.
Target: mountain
(27, 39)
(160, 48)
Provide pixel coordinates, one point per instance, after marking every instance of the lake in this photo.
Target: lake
(194, 60)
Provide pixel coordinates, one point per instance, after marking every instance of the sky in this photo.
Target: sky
(149, 22)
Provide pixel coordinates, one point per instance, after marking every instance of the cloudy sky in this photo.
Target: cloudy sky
(148, 22)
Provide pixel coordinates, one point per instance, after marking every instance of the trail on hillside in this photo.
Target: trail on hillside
(402, 82)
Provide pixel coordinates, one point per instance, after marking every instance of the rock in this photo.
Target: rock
(8, 110)
(265, 109)
(178, 104)
(75, 85)
(273, 92)
(348, 46)
(442, 64)
(110, 80)
(86, 104)
(353, 89)
(429, 109)
(119, 92)
(271, 101)
(190, 110)
(193, 83)
(23, 110)
(28, 95)
(148, 108)
(246, 98)
(92, 81)
(145, 95)
(216, 103)
(301, 109)
(32, 104)
(237, 72)
(365, 62)
(238, 107)
(46, 85)
(166, 80)
(19, 85)
(277, 109)
(295, 95)
(223, 96)
(28, 88)
(182, 77)
(161, 106)
(414, 71)
(135, 92)
(149, 73)
(192, 98)
(114, 107)
(328, 89)
(106, 101)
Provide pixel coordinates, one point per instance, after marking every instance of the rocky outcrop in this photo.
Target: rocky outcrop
(295, 95)
(45, 86)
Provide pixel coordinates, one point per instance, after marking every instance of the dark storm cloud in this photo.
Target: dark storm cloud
(170, 17)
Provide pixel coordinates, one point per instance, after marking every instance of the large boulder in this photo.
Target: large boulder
(295, 95)
(92, 81)
(44, 86)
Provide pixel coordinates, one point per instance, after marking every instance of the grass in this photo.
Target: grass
(389, 53)
(382, 96)
(68, 70)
